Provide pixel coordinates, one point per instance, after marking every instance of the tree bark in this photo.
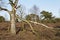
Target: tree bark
(12, 19)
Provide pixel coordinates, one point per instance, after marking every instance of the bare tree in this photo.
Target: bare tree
(35, 10)
(12, 13)
(21, 12)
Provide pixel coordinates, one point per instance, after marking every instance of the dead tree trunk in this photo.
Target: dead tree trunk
(12, 19)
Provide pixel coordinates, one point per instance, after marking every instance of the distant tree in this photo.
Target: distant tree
(32, 17)
(47, 16)
(35, 10)
(2, 19)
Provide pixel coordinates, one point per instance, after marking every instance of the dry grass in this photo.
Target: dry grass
(42, 33)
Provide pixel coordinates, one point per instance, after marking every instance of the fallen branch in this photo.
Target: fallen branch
(27, 22)
(41, 24)
(29, 25)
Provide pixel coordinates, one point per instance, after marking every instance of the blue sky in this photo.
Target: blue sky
(47, 5)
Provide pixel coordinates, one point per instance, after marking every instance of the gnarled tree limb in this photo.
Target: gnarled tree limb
(11, 2)
(4, 9)
(18, 6)
(16, 2)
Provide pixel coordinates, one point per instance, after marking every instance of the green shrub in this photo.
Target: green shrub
(2, 19)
